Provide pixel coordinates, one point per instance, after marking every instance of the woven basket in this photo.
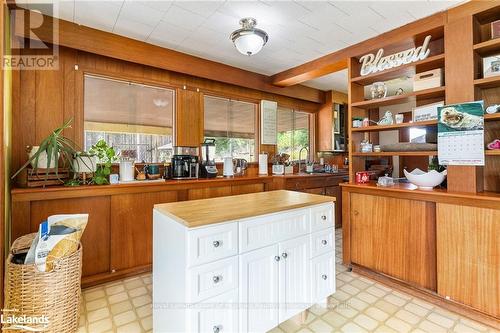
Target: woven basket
(55, 294)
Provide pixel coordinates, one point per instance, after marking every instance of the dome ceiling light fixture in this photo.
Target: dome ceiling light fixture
(249, 40)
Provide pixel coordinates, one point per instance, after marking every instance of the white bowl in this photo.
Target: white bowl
(425, 180)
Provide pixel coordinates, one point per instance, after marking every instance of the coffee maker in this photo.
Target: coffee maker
(185, 163)
(208, 168)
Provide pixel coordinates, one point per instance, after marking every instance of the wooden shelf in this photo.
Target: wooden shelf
(396, 153)
(491, 117)
(378, 128)
(488, 82)
(487, 48)
(492, 152)
(391, 100)
(432, 62)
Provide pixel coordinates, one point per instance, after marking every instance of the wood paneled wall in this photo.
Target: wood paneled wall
(3, 159)
(44, 99)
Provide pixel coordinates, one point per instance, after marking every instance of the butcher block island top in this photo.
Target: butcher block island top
(197, 213)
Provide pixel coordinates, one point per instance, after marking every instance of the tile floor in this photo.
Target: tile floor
(359, 305)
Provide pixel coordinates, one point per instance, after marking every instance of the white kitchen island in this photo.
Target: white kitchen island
(242, 263)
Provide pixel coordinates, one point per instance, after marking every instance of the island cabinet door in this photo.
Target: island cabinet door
(259, 289)
(294, 277)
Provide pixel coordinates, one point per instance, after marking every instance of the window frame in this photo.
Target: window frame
(312, 125)
(256, 117)
(79, 118)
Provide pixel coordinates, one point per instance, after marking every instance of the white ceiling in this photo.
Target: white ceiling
(299, 31)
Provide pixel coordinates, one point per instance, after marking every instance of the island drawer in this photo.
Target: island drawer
(212, 243)
(217, 314)
(322, 242)
(212, 279)
(270, 229)
(322, 217)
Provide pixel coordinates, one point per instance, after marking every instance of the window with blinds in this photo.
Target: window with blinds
(293, 132)
(130, 117)
(232, 124)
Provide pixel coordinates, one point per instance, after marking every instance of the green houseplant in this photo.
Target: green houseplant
(106, 155)
(54, 151)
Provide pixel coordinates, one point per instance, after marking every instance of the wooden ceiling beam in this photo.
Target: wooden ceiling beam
(336, 61)
(86, 39)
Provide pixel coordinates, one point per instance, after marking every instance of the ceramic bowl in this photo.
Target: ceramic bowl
(425, 180)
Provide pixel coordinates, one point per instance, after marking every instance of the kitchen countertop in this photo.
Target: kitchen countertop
(410, 191)
(60, 192)
(216, 210)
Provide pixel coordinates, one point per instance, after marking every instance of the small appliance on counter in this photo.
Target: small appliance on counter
(228, 169)
(240, 166)
(208, 168)
(185, 163)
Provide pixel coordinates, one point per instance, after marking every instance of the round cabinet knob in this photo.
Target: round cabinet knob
(217, 278)
(217, 329)
(323, 217)
(277, 258)
(284, 255)
(324, 277)
(324, 242)
(216, 243)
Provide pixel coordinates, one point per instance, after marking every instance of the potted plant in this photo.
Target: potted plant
(106, 155)
(53, 152)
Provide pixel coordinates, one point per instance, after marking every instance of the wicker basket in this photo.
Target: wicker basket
(55, 294)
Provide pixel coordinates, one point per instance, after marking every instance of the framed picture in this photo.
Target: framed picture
(491, 66)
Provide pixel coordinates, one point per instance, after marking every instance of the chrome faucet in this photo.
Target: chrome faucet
(300, 154)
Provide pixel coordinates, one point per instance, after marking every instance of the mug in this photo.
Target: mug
(153, 169)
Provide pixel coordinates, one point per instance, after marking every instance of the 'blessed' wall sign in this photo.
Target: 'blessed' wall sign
(371, 63)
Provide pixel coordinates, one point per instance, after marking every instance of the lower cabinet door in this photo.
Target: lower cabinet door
(215, 315)
(322, 276)
(259, 289)
(294, 277)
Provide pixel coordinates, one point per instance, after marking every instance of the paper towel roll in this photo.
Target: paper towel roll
(262, 164)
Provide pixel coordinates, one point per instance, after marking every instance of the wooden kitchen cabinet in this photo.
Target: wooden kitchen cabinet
(315, 190)
(468, 262)
(95, 239)
(322, 185)
(394, 236)
(132, 228)
(189, 118)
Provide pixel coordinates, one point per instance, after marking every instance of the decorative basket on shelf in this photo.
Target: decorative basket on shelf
(53, 295)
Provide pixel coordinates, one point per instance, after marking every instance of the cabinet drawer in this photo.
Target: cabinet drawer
(217, 314)
(212, 279)
(270, 229)
(322, 277)
(322, 242)
(322, 217)
(212, 243)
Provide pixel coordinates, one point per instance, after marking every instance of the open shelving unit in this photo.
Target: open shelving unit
(359, 106)
(488, 90)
